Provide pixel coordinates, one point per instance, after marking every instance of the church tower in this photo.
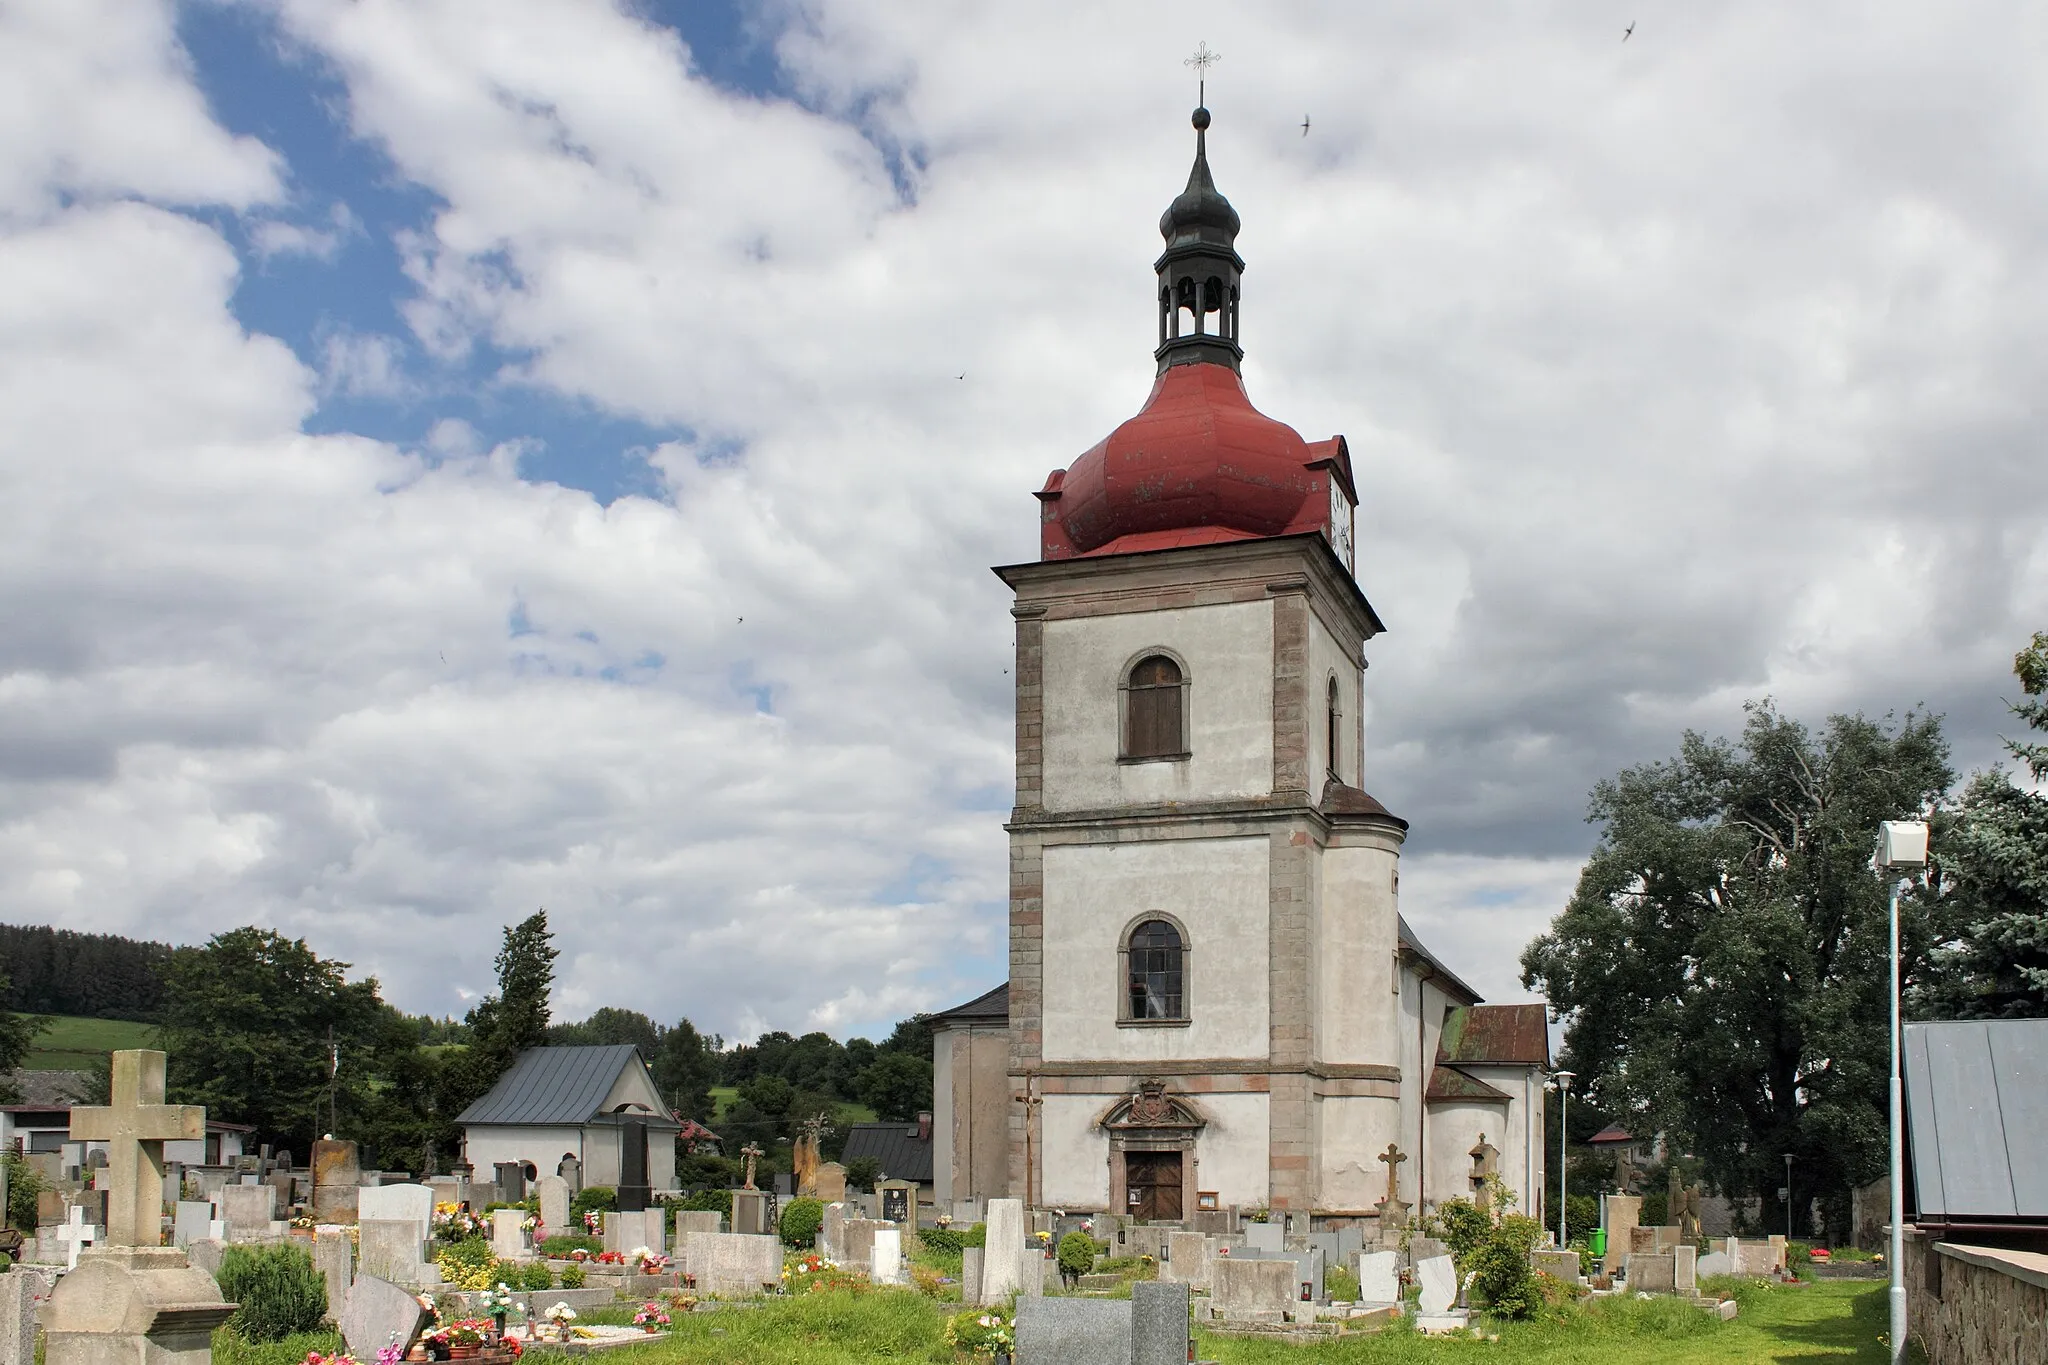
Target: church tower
(1205, 1000)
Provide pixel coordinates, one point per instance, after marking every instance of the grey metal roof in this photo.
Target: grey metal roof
(557, 1085)
(1414, 945)
(1977, 1119)
(895, 1146)
(990, 1005)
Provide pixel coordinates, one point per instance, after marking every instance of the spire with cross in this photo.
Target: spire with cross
(135, 1126)
(1201, 62)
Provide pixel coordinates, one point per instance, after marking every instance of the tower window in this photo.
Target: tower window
(1155, 960)
(1332, 730)
(1155, 710)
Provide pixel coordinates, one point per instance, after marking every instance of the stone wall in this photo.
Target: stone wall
(1971, 1305)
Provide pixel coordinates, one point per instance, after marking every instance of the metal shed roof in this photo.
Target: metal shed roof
(558, 1085)
(896, 1146)
(1977, 1120)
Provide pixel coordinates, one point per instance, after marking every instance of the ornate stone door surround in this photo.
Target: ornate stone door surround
(1150, 1119)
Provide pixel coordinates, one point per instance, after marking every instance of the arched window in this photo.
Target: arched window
(1156, 972)
(1155, 710)
(1332, 729)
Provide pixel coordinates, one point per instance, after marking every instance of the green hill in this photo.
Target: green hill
(74, 1044)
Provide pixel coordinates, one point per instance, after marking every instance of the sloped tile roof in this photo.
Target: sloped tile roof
(1503, 1035)
(557, 1085)
(1449, 1083)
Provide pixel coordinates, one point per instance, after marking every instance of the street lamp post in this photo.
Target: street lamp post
(1563, 1081)
(1901, 851)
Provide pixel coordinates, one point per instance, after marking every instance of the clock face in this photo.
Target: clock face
(1339, 529)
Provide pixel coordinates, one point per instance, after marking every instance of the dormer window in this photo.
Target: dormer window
(1155, 710)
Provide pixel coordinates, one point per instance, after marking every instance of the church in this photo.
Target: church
(1213, 1000)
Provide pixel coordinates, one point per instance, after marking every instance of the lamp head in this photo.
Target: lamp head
(1901, 846)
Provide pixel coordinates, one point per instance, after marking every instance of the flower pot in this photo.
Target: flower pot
(650, 1328)
(464, 1350)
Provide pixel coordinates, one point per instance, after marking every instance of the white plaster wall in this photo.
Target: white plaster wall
(1231, 1155)
(634, 1086)
(1422, 1014)
(1217, 888)
(1327, 658)
(1228, 650)
(486, 1145)
(1074, 1156)
(1354, 934)
(1514, 1141)
(1350, 1133)
(1454, 1130)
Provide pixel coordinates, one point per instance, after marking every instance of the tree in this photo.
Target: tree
(685, 1068)
(17, 1036)
(1725, 952)
(610, 1026)
(1992, 879)
(898, 1086)
(503, 1025)
(247, 1021)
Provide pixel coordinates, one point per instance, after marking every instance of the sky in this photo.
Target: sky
(463, 457)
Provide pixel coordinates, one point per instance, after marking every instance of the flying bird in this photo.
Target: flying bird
(1304, 125)
(1630, 30)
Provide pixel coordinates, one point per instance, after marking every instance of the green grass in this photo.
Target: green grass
(1834, 1322)
(74, 1044)
(723, 1097)
(230, 1349)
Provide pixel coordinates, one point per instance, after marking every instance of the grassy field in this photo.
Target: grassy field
(73, 1044)
(1838, 1321)
(723, 1097)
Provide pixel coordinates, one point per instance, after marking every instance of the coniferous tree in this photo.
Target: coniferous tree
(17, 1036)
(503, 1025)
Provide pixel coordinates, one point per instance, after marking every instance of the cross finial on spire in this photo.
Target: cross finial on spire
(1201, 62)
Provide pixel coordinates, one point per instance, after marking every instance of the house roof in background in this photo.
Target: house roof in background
(988, 1007)
(558, 1085)
(1977, 1120)
(1500, 1035)
(45, 1089)
(1613, 1132)
(895, 1145)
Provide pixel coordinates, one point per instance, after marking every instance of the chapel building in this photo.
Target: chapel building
(1213, 1000)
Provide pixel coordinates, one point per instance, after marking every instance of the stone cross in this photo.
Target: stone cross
(1485, 1157)
(135, 1127)
(752, 1154)
(1393, 1156)
(76, 1235)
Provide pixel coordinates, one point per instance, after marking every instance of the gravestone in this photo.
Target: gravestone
(832, 1231)
(337, 1172)
(1559, 1265)
(390, 1249)
(857, 1241)
(135, 1127)
(750, 1211)
(1641, 1241)
(970, 1275)
(1187, 1260)
(1248, 1290)
(508, 1235)
(1667, 1237)
(1075, 1332)
(571, 1170)
(1652, 1272)
(743, 1264)
(378, 1312)
(402, 1203)
(1159, 1324)
(554, 1206)
(899, 1202)
(1751, 1257)
(1685, 1268)
(250, 1211)
(510, 1178)
(1622, 1212)
(76, 1236)
(22, 1292)
(699, 1220)
(1439, 1281)
(1379, 1278)
(133, 1303)
(1421, 1249)
(1714, 1263)
(207, 1254)
(693, 1253)
(334, 1256)
(1265, 1236)
(832, 1182)
(630, 1232)
(1002, 1260)
(885, 1264)
(194, 1221)
(1778, 1251)
(633, 1190)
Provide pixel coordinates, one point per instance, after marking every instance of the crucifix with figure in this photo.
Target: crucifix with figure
(752, 1154)
(135, 1127)
(1393, 1156)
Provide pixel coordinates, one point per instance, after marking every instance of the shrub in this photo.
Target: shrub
(862, 1172)
(1463, 1227)
(594, 1199)
(1076, 1254)
(572, 1277)
(278, 1289)
(24, 1183)
(976, 1236)
(709, 1201)
(983, 1333)
(467, 1265)
(1581, 1216)
(1499, 1265)
(535, 1275)
(943, 1240)
(1340, 1284)
(928, 1281)
(801, 1219)
(559, 1247)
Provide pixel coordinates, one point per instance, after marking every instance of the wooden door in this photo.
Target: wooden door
(1152, 1184)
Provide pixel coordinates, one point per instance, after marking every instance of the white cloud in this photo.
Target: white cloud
(1673, 373)
(274, 237)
